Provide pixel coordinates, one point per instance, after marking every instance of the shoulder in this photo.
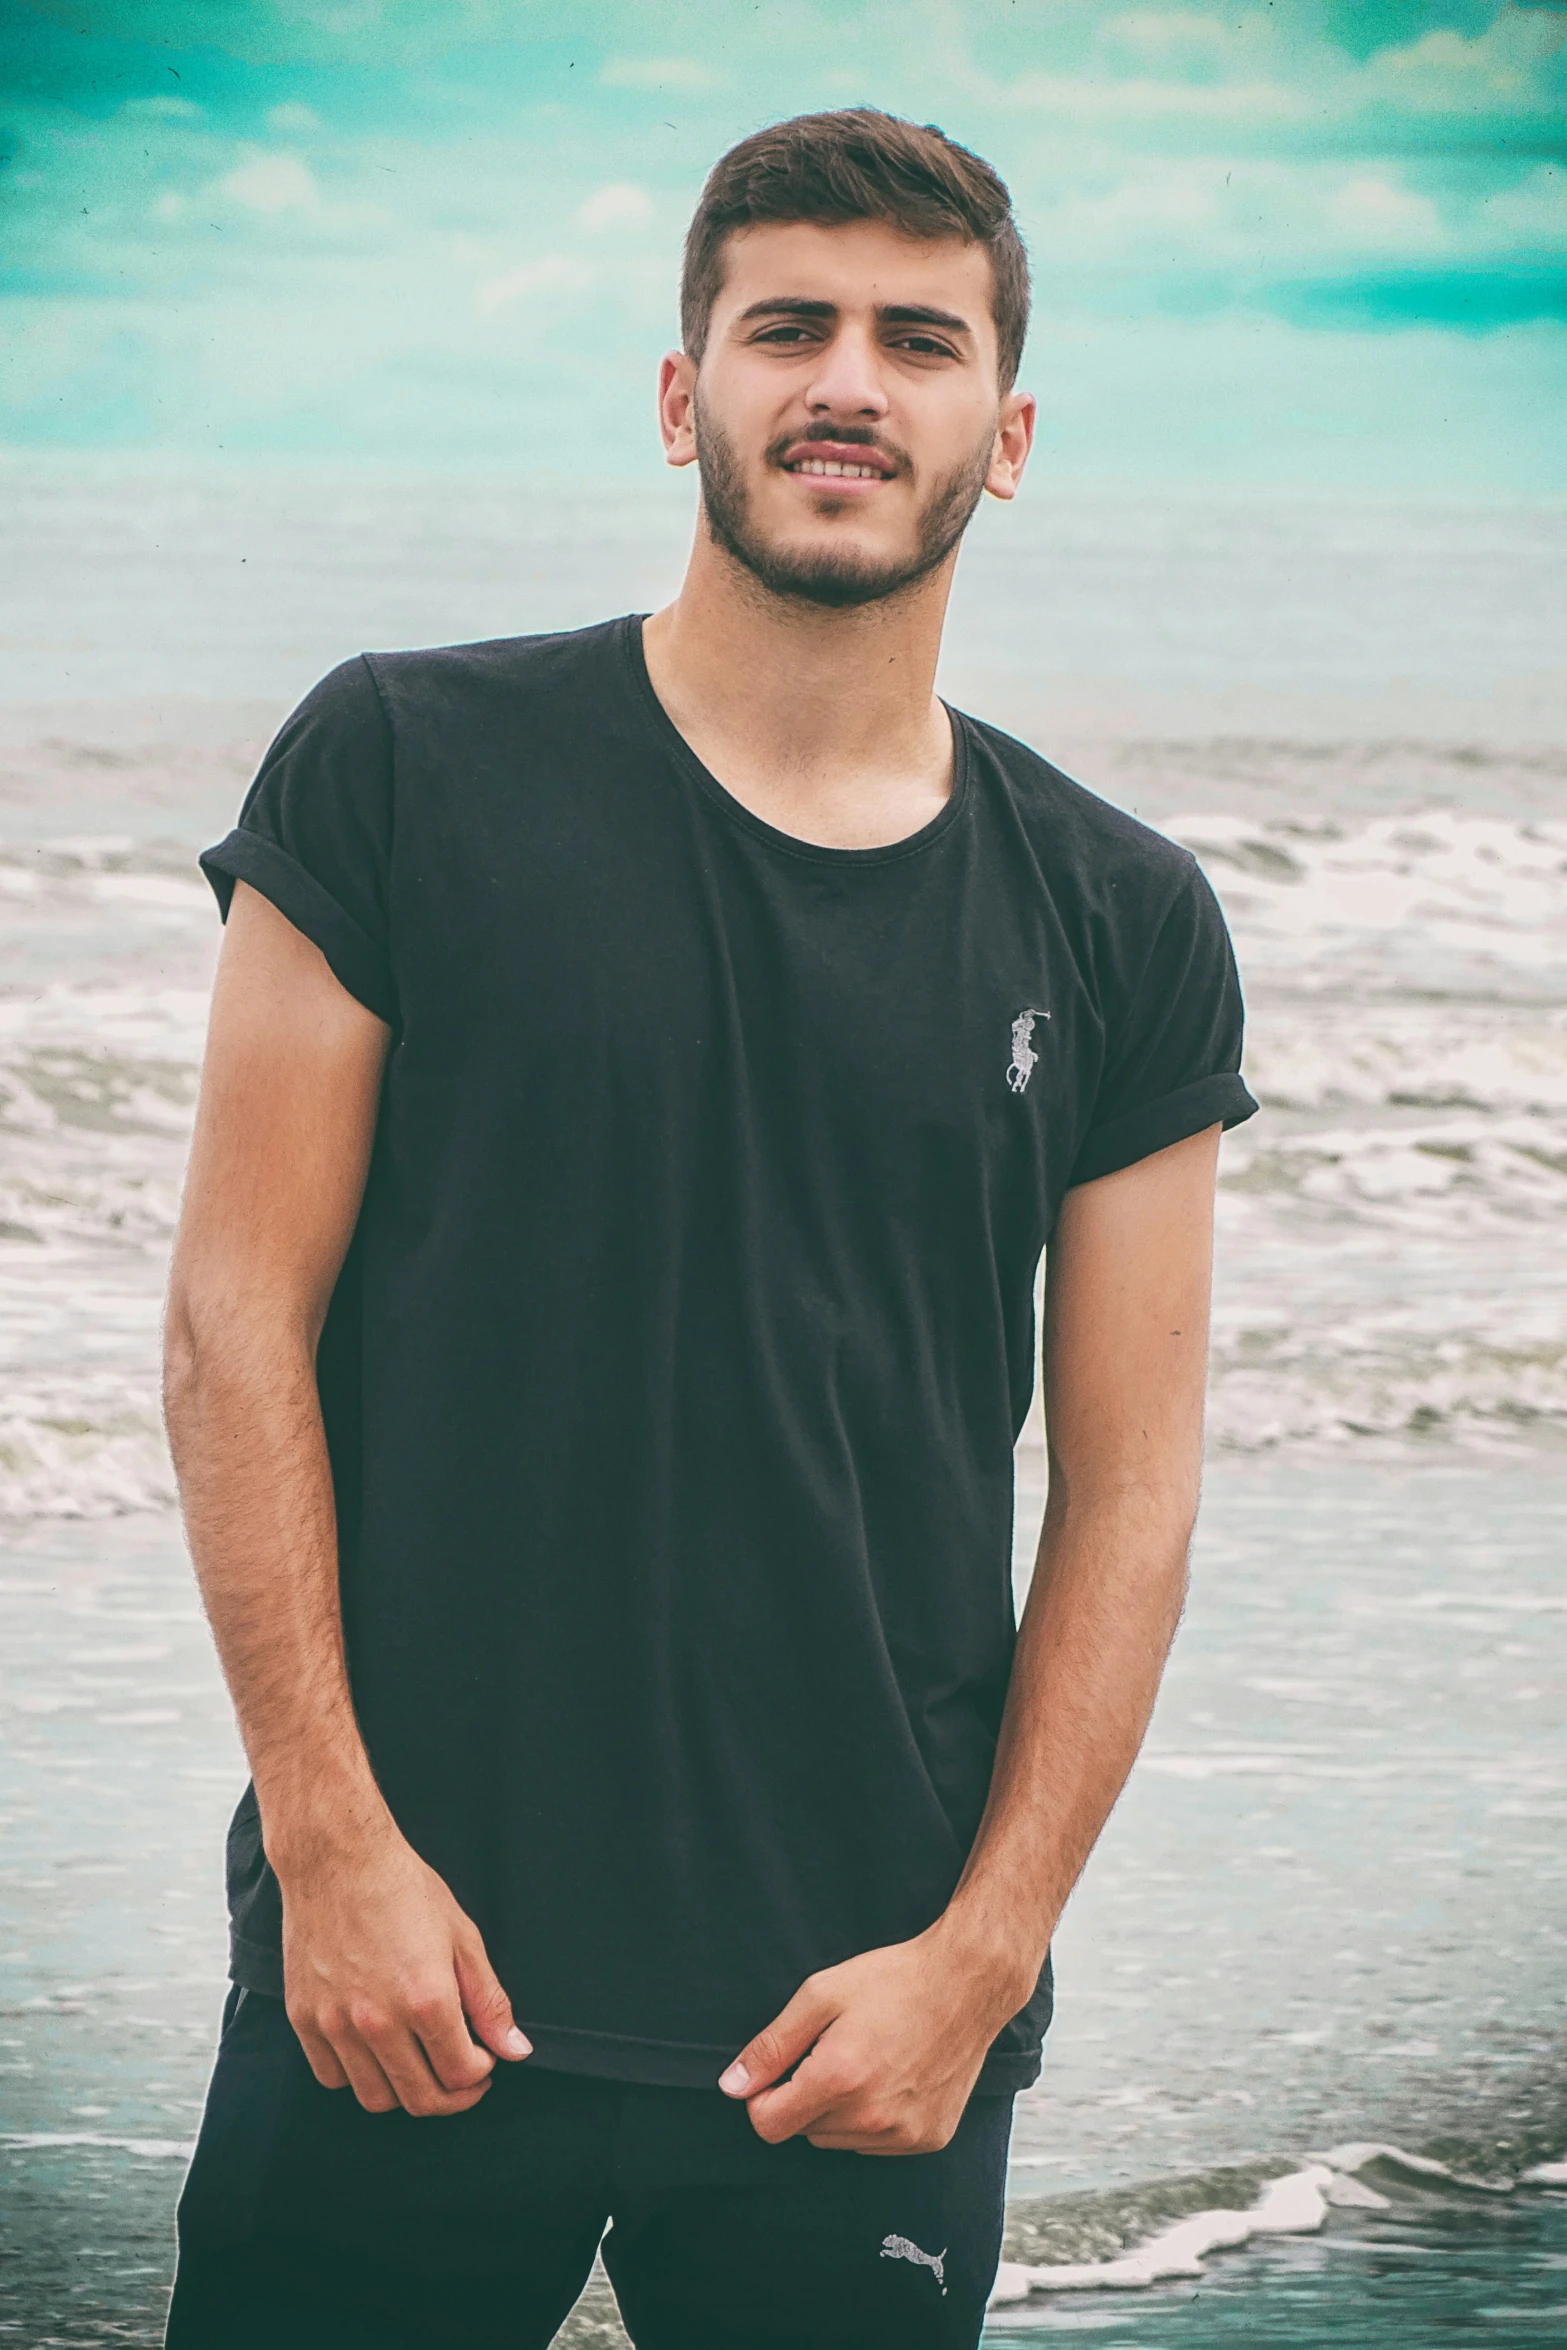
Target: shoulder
(376, 704)
(1090, 850)
(439, 682)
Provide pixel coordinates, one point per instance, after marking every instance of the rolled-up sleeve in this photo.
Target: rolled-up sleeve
(315, 833)
(1173, 1055)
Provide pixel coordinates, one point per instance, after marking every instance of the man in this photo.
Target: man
(646, 1065)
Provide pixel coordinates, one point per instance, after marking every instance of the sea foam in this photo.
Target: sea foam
(1299, 2202)
(1292, 2205)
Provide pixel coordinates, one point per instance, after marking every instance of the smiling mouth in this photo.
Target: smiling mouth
(838, 461)
(834, 469)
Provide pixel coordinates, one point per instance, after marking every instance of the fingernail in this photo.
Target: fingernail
(518, 2043)
(736, 2081)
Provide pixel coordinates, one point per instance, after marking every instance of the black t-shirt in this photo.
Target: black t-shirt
(672, 1380)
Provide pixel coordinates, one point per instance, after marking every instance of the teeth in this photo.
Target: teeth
(831, 465)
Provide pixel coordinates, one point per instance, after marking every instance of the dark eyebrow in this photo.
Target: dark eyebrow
(788, 306)
(890, 314)
(921, 314)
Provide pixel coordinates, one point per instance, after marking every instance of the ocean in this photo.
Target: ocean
(1307, 2079)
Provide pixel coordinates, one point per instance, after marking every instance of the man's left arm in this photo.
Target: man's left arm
(886, 2048)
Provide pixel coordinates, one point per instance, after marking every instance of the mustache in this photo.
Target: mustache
(857, 436)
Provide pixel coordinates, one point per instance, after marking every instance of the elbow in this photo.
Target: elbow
(182, 1358)
(1184, 1503)
(1158, 1507)
(215, 1343)
(1163, 1523)
(229, 1340)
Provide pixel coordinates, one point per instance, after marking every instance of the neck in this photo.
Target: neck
(823, 721)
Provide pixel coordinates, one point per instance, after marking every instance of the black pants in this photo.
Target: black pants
(309, 2224)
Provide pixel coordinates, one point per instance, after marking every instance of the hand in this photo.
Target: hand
(383, 1977)
(891, 2042)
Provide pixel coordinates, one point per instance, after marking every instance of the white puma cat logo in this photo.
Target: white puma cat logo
(899, 2248)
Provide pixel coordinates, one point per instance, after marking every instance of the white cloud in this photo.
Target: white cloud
(272, 183)
(1372, 211)
(530, 277)
(618, 205)
(169, 206)
(1143, 99)
(690, 76)
(1533, 211)
(1158, 31)
(1189, 68)
(1445, 71)
(1171, 198)
(293, 117)
(1203, 214)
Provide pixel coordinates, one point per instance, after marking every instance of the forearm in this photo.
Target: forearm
(885, 2047)
(386, 1979)
(1101, 1613)
(244, 1419)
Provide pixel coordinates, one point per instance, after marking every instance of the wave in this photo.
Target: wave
(1398, 1377)
(1448, 903)
(83, 1446)
(1449, 1177)
(1184, 2228)
(145, 2149)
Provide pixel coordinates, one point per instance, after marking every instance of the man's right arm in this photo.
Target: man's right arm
(383, 1973)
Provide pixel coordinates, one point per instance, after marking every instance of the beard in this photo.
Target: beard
(823, 575)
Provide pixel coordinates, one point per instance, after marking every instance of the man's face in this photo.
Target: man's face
(846, 416)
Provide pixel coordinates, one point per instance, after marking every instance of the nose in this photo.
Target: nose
(848, 381)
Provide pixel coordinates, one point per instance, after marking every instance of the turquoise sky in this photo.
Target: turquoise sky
(1318, 243)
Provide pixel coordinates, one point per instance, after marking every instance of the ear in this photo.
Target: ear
(676, 399)
(1014, 439)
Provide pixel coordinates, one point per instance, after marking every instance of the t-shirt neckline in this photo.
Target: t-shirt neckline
(788, 843)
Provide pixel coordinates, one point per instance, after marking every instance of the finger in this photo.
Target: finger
(365, 2077)
(403, 2061)
(320, 2056)
(812, 2095)
(844, 2141)
(486, 2005)
(451, 2053)
(782, 2044)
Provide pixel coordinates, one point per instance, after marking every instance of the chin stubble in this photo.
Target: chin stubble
(836, 581)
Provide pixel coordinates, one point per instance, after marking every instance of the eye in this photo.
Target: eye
(791, 332)
(925, 346)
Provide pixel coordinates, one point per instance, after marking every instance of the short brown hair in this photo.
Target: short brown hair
(857, 164)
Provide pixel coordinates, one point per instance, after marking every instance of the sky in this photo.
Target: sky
(1312, 244)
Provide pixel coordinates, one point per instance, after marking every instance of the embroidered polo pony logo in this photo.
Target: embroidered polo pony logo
(1024, 1057)
(899, 2248)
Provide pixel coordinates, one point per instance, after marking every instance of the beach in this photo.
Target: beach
(1322, 1940)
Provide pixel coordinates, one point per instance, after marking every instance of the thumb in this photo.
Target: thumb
(780, 2046)
(486, 2005)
